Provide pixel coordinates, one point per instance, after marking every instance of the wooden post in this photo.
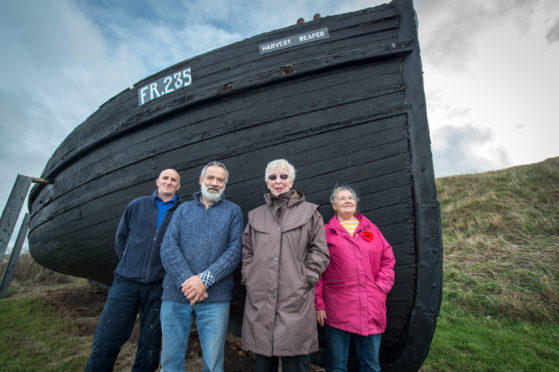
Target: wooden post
(10, 267)
(12, 210)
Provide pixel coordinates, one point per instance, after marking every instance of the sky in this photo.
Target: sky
(490, 69)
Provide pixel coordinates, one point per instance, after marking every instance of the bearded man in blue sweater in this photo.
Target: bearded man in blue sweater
(200, 252)
(137, 282)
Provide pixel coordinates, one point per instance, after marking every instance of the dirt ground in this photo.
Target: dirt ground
(84, 303)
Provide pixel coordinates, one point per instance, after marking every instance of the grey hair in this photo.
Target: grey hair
(215, 164)
(280, 164)
(339, 188)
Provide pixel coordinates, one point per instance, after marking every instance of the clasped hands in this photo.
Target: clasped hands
(194, 289)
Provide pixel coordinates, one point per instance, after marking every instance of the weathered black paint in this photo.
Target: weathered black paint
(349, 108)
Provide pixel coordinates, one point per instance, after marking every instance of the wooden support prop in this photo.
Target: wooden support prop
(12, 210)
(43, 181)
(11, 266)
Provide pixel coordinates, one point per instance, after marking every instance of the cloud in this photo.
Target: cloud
(466, 149)
(157, 37)
(450, 29)
(55, 71)
(553, 34)
(487, 71)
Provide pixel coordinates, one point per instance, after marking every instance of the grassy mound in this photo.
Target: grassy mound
(500, 309)
(501, 241)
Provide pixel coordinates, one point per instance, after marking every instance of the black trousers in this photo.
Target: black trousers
(297, 363)
(117, 321)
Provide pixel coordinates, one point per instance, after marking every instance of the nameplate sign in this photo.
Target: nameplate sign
(291, 41)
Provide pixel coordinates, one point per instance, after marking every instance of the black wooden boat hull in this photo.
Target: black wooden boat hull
(347, 107)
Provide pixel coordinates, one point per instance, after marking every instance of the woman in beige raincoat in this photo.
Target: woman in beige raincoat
(284, 254)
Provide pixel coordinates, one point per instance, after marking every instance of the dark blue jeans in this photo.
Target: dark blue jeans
(117, 321)
(337, 350)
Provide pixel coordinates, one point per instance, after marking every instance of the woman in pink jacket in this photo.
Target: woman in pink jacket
(350, 297)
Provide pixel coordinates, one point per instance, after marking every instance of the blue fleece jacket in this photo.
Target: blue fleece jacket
(200, 239)
(138, 240)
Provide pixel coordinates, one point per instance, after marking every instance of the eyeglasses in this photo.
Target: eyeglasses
(273, 177)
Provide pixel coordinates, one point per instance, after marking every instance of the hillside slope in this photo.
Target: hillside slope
(501, 242)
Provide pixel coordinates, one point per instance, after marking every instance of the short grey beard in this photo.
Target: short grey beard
(210, 197)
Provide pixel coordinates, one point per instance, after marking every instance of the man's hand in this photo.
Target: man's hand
(194, 289)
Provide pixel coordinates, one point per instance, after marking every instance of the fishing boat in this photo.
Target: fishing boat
(340, 97)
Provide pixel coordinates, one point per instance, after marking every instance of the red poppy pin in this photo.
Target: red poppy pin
(367, 235)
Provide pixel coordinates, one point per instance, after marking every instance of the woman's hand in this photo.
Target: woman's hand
(320, 316)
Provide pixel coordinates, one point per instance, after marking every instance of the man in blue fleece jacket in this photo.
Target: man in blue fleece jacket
(137, 279)
(200, 252)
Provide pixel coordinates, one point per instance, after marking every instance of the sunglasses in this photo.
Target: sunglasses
(273, 177)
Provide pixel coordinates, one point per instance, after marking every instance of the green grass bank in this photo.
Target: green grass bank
(500, 309)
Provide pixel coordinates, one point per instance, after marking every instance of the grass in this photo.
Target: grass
(500, 309)
(48, 319)
(36, 338)
(466, 342)
(29, 274)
